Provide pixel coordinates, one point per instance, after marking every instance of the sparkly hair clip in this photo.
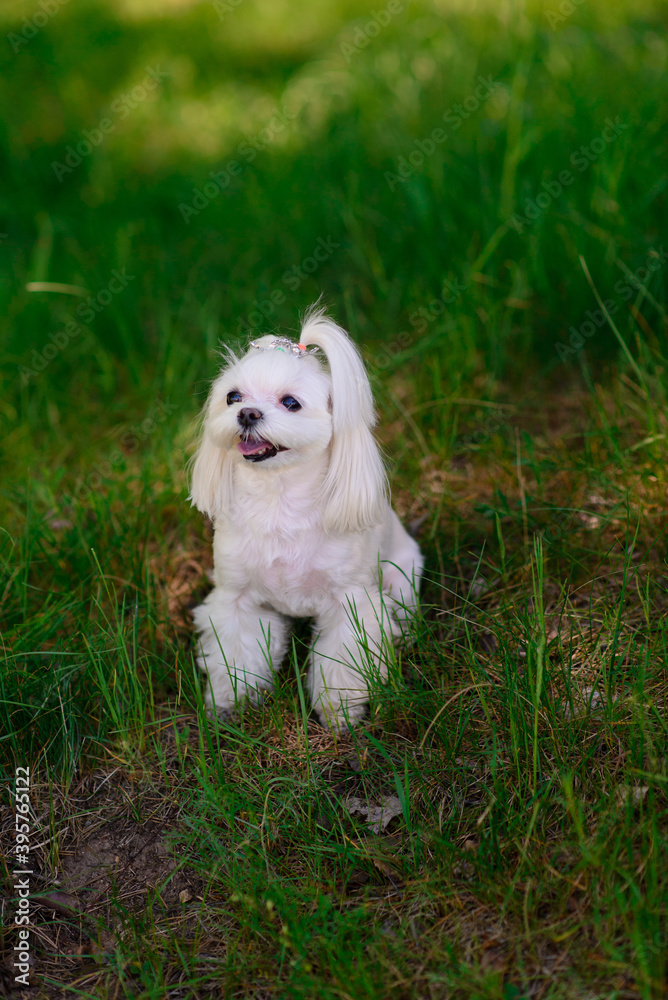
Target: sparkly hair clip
(286, 346)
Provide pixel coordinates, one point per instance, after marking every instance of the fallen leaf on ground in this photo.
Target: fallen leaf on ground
(377, 816)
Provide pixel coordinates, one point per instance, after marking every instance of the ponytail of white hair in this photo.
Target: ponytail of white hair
(355, 487)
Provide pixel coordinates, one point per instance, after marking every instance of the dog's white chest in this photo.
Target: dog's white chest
(297, 574)
(296, 591)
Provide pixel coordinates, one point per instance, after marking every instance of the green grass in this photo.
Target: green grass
(523, 731)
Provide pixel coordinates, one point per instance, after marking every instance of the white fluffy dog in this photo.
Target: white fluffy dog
(289, 471)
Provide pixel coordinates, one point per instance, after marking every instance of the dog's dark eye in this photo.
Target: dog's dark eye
(233, 397)
(290, 403)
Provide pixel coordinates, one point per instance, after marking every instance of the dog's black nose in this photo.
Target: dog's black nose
(247, 417)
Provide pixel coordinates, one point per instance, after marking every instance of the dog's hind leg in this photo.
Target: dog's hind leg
(401, 564)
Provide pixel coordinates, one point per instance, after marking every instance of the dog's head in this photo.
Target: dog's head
(278, 407)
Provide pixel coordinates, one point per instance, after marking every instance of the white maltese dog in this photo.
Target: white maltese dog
(289, 471)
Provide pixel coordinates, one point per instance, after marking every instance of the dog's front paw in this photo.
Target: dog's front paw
(230, 703)
(338, 715)
(220, 713)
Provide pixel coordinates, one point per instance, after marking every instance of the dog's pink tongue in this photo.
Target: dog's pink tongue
(252, 447)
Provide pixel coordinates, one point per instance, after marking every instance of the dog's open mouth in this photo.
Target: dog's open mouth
(257, 449)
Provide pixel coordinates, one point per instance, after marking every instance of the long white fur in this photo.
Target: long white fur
(308, 532)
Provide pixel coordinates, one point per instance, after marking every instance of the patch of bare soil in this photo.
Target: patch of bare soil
(102, 857)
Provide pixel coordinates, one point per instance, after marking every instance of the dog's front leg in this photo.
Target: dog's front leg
(349, 653)
(241, 644)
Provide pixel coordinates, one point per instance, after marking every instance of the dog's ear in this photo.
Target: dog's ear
(211, 477)
(355, 488)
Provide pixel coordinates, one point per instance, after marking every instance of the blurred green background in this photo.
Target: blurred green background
(359, 93)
